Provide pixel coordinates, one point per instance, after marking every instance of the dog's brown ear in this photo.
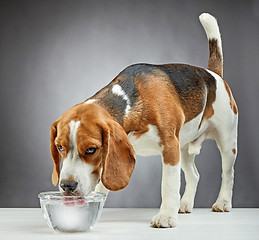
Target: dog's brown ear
(55, 155)
(118, 157)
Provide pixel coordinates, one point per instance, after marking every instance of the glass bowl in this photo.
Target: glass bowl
(71, 213)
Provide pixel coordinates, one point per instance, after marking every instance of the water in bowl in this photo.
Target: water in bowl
(65, 218)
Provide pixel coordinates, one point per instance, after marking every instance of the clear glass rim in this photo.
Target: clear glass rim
(56, 195)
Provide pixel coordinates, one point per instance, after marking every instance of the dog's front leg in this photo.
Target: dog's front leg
(168, 214)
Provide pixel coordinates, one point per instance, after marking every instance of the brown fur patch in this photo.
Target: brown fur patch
(71, 179)
(215, 59)
(211, 97)
(54, 154)
(195, 88)
(63, 139)
(190, 85)
(158, 105)
(233, 104)
(118, 157)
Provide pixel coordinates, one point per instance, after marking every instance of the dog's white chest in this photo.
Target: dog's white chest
(148, 143)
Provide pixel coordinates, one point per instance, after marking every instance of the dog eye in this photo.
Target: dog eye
(60, 149)
(90, 151)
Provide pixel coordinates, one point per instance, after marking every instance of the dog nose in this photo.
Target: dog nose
(68, 186)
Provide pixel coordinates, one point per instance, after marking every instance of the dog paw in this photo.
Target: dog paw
(221, 206)
(163, 221)
(185, 207)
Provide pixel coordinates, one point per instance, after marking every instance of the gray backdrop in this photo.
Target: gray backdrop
(54, 54)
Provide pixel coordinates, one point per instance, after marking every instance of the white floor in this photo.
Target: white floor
(134, 224)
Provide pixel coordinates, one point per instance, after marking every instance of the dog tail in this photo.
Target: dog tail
(211, 28)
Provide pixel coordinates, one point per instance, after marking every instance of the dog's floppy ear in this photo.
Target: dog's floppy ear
(55, 155)
(118, 157)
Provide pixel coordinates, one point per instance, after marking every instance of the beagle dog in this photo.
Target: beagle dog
(166, 110)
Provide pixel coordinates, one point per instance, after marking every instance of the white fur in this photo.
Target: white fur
(75, 167)
(221, 106)
(148, 143)
(90, 101)
(116, 89)
(168, 213)
(190, 130)
(211, 28)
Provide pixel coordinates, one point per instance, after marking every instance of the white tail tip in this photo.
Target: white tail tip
(210, 26)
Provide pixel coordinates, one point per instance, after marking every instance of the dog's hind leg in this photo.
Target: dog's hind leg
(223, 128)
(228, 150)
(191, 177)
(226, 138)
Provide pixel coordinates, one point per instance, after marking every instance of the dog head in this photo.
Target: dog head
(93, 147)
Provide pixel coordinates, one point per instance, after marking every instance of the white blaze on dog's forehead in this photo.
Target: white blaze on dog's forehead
(90, 101)
(116, 89)
(73, 129)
